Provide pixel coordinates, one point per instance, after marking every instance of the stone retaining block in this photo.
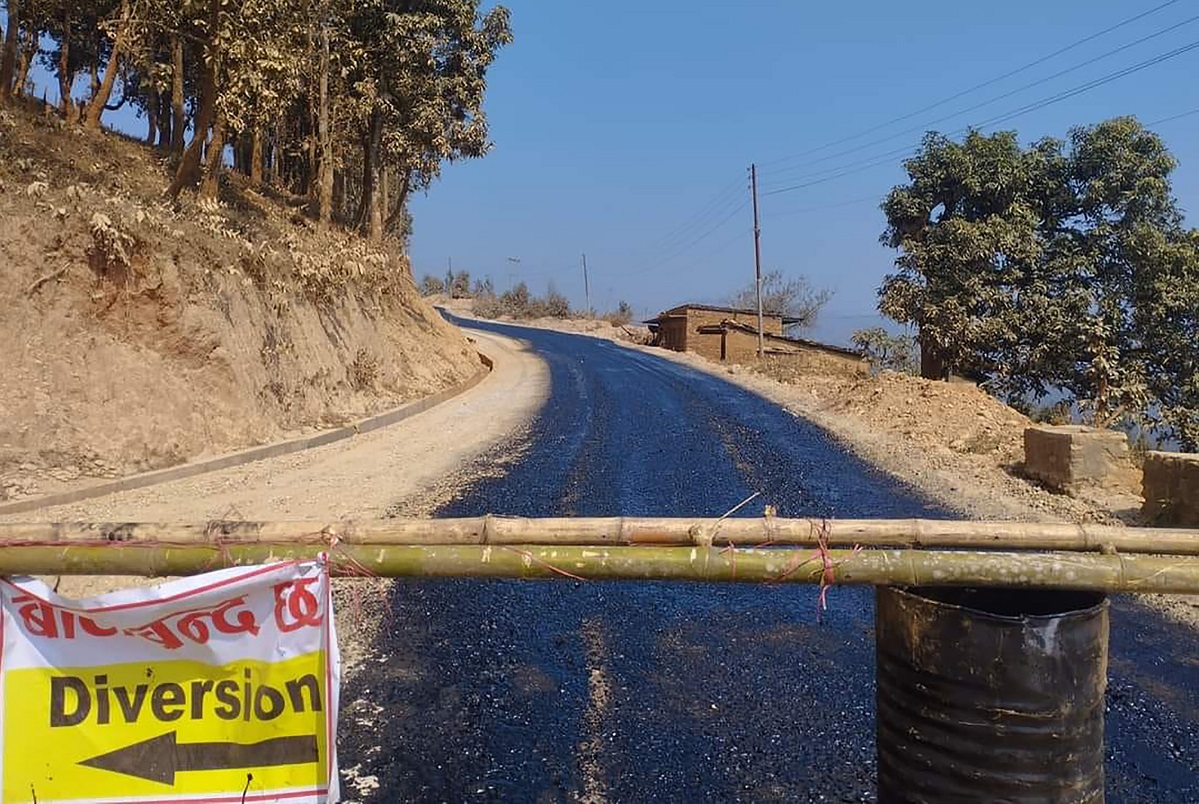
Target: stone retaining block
(1069, 457)
(1171, 489)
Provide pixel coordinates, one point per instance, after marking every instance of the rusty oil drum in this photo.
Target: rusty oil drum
(990, 695)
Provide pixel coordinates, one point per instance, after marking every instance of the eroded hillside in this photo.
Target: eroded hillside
(139, 332)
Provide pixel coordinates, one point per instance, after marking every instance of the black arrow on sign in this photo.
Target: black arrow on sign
(160, 758)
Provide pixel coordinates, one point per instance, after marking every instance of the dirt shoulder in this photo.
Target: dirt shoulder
(409, 468)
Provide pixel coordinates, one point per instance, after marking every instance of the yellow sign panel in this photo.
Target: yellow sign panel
(220, 689)
(172, 727)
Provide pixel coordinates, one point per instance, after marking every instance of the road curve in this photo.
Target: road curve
(568, 691)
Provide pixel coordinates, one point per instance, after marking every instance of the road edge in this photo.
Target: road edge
(253, 454)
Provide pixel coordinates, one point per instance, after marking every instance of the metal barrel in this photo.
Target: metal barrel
(990, 694)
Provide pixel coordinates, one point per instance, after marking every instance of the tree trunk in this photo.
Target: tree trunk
(212, 167)
(65, 77)
(8, 59)
(100, 98)
(152, 118)
(178, 122)
(339, 195)
(933, 365)
(165, 126)
(385, 196)
(372, 190)
(188, 173)
(395, 216)
(256, 155)
(325, 193)
(28, 51)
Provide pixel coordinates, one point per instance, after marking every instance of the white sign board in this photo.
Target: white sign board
(215, 688)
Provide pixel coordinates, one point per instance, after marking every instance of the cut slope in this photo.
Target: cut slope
(138, 333)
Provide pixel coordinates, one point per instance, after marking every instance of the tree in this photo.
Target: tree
(8, 56)
(483, 287)
(515, 302)
(622, 315)
(431, 285)
(1058, 266)
(459, 285)
(555, 305)
(122, 25)
(418, 72)
(343, 106)
(886, 351)
(793, 298)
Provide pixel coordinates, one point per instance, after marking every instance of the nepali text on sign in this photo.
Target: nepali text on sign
(219, 685)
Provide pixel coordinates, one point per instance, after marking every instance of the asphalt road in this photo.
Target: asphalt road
(566, 691)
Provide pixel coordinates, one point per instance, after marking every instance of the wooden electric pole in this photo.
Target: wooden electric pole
(753, 182)
(586, 284)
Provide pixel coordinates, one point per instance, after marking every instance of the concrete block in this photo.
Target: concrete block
(1069, 457)
(1171, 489)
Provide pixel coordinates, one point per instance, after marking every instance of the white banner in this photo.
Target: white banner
(219, 688)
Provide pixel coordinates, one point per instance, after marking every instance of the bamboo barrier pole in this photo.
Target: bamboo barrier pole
(1099, 572)
(925, 533)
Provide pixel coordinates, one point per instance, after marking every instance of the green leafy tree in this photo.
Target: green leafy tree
(886, 351)
(1056, 266)
(418, 73)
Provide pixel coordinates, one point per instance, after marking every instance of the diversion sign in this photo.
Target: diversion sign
(216, 688)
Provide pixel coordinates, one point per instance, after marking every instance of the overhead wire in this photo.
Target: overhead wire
(1172, 118)
(716, 206)
(699, 226)
(697, 240)
(976, 87)
(857, 166)
(1073, 68)
(723, 206)
(786, 213)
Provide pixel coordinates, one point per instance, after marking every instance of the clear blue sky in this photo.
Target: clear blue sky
(616, 123)
(625, 129)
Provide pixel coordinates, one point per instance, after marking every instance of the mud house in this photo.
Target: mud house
(730, 335)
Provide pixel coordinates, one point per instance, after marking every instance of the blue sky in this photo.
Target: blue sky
(625, 129)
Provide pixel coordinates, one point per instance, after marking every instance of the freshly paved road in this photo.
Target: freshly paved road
(567, 691)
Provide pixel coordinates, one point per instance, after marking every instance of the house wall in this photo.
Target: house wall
(672, 334)
(742, 347)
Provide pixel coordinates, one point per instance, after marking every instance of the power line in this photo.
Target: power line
(977, 87)
(1107, 79)
(1008, 94)
(822, 207)
(713, 208)
(698, 225)
(702, 237)
(740, 237)
(1172, 118)
(853, 167)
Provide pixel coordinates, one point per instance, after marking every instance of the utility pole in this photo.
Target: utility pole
(586, 284)
(511, 275)
(753, 182)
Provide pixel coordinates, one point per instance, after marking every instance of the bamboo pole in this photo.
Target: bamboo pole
(1109, 573)
(923, 533)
